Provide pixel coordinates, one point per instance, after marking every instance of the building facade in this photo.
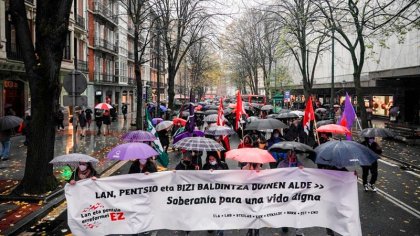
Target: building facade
(390, 77)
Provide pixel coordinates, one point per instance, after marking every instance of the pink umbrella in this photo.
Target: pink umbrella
(333, 128)
(103, 106)
(131, 151)
(254, 155)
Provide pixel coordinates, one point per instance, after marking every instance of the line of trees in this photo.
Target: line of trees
(300, 32)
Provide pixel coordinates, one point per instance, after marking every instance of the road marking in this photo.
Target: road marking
(387, 163)
(113, 169)
(413, 173)
(397, 202)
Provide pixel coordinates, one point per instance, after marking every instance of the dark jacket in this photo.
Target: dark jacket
(374, 147)
(75, 175)
(149, 167)
(182, 166)
(163, 137)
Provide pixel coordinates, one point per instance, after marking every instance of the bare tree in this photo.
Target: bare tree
(299, 21)
(182, 22)
(140, 13)
(42, 65)
(355, 22)
(242, 44)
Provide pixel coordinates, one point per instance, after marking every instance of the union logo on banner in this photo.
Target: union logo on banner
(94, 215)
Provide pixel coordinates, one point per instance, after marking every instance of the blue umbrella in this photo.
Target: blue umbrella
(344, 153)
(163, 108)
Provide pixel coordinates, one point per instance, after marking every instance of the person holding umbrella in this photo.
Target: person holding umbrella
(6, 143)
(145, 166)
(164, 139)
(98, 120)
(185, 163)
(84, 170)
(213, 162)
(279, 156)
(373, 168)
(291, 161)
(106, 119)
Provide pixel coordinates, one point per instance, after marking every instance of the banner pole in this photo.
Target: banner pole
(316, 133)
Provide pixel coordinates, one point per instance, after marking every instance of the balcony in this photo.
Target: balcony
(105, 45)
(123, 80)
(105, 78)
(80, 21)
(101, 10)
(14, 52)
(82, 65)
(30, 1)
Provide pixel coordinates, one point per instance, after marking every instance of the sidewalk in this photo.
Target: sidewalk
(397, 149)
(12, 171)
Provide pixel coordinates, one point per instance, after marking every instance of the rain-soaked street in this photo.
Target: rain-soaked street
(393, 210)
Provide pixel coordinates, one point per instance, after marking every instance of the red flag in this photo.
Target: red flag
(309, 116)
(220, 114)
(239, 110)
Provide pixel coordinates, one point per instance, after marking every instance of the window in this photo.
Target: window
(67, 54)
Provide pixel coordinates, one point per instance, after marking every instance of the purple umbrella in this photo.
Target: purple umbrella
(138, 136)
(130, 151)
(185, 134)
(156, 121)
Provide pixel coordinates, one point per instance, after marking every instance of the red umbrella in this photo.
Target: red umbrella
(254, 155)
(333, 128)
(103, 106)
(180, 120)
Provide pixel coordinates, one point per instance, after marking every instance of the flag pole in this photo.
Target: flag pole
(316, 133)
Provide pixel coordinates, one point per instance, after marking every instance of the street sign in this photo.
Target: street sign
(80, 82)
(287, 96)
(81, 100)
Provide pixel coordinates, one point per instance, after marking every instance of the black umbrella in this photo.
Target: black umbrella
(219, 130)
(289, 145)
(210, 112)
(227, 111)
(324, 122)
(287, 116)
(284, 111)
(272, 116)
(9, 122)
(265, 124)
(344, 153)
(267, 108)
(376, 132)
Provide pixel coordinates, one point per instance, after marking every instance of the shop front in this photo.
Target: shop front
(14, 97)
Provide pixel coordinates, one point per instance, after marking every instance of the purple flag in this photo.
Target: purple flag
(348, 116)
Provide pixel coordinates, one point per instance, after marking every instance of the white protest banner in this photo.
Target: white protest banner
(218, 200)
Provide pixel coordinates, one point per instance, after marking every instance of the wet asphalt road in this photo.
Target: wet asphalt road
(392, 211)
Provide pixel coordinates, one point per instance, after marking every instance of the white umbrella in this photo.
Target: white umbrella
(72, 159)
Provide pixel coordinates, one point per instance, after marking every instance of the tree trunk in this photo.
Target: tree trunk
(171, 86)
(360, 100)
(137, 72)
(139, 112)
(42, 69)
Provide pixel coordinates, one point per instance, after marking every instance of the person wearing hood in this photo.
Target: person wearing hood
(185, 163)
(213, 162)
(85, 170)
(279, 156)
(143, 166)
(246, 142)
